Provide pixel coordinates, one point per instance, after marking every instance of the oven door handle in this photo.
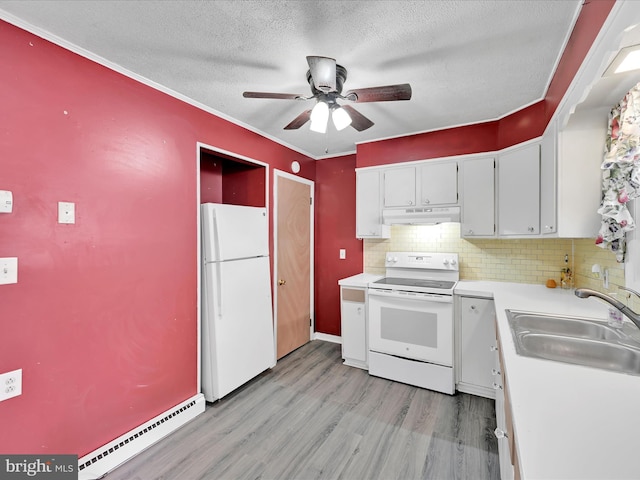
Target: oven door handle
(425, 297)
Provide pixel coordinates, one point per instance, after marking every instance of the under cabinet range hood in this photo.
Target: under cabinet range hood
(420, 215)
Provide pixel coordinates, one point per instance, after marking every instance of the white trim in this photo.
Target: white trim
(97, 463)
(311, 183)
(325, 337)
(20, 23)
(604, 48)
(199, 147)
(452, 127)
(72, 47)
(465, 156)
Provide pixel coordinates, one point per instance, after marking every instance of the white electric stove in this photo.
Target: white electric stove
(411, 320)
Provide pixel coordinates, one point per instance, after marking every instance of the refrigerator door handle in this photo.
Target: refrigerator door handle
(219, 287)
(216, 243)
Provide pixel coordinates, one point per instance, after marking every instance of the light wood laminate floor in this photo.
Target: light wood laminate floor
(311, 417)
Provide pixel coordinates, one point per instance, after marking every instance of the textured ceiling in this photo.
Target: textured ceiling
(467, 61)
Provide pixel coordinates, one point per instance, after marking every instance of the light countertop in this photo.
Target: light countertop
(570, 421)
(360, 280)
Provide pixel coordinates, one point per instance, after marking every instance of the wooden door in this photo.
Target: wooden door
(293, 268)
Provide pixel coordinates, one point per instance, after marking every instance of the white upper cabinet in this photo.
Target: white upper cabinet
(427, 184)
(400, 187)
(438, 183)
(478, 197)
(369, 206)
(519, 191)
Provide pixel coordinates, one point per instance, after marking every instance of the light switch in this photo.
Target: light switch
(8, 270)
(343, 254)
(6, 201)
(66, 212)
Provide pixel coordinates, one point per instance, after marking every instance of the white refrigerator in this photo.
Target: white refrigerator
(237, 318)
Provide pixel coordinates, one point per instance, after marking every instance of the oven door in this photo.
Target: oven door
(412, 325)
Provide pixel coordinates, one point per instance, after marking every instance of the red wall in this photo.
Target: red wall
(334, 229)
(243, 184)
(210, 178)
(528, 123)
(103, 319)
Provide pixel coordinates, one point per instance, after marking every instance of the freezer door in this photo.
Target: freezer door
(233, 231)
(237, 324)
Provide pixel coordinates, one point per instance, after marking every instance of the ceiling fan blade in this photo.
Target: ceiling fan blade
(278, 96)
(323, 73)
(299, 121)
(387, 93)
(358, 121)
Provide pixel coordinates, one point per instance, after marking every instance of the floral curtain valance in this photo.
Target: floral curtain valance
(620, 173)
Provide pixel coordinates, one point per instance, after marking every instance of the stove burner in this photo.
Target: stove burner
(414, 282)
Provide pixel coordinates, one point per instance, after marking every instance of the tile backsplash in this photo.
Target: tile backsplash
(517, 260)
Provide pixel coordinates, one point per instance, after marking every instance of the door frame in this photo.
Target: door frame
(280, 173)
(199, 147)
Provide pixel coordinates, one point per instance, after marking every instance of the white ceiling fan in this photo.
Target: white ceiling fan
(326, 79)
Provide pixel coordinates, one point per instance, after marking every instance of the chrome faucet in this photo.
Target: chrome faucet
(633, 316)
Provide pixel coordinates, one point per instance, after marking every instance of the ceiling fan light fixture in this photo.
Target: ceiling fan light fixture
(341, 119)
(319, 117)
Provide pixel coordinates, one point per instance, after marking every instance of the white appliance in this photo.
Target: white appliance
(411, 320)
(237, 315)
(420, 215)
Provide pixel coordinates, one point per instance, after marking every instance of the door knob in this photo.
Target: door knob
(281, 282)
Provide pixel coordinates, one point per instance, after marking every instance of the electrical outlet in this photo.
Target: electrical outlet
(10, 384)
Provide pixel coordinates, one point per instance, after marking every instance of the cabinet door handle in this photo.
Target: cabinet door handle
(495, 372)
(499, 433)
(359, 310)
(410, 202)
(473, 307)
(425, 201)
(493, 348)
(531, 229)
(497, 386)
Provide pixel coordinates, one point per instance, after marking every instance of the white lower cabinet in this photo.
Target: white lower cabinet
(353, 312)
(476, 335)
(504, 432)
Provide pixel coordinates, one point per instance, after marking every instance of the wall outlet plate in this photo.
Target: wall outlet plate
(10, 384)
(66, 212)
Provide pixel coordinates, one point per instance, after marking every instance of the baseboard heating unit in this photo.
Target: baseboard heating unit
(96, 464)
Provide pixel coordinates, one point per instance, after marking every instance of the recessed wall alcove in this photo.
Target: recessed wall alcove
(231, 180)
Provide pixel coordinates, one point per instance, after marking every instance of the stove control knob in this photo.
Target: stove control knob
(446, 261)
(395, 259)
(453, 261)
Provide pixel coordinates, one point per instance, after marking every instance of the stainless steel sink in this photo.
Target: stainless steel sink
(574, 340)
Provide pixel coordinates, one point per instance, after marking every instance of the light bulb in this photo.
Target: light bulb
(341, 118)
(319, 117)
